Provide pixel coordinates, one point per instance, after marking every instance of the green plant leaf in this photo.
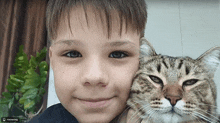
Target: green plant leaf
(13, 83)
(33, 62)
(21, 60)
(43, 80)
(30, 83)
(4, 101)
(29, 104)
(41, 91)
(31, 93)
(40, 56)
(7, 95)
(22, 100)
(31, 72)
(11, 88)
(32, 80)
(43, 66)
(24, 88)
(38, 98)
(31, 110)
(17, 78)
(3, 110)
(43, 73)
(16, 96)
(10, 103)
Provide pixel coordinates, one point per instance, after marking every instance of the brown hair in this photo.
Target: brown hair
(133, 12)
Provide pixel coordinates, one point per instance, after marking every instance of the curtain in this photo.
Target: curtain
(22, 22)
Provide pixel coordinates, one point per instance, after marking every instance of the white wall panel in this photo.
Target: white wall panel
(163, 26)
(200, 24)
(52, 96)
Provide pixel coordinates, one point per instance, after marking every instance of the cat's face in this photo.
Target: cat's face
(174, 89)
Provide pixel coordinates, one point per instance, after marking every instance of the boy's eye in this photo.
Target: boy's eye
(73, 54)
(118, 54)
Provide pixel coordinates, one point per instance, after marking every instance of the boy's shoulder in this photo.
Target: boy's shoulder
(54, 114)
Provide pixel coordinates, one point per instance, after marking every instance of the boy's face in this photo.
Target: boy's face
(93, 74)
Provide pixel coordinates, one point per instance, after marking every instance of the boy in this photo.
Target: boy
(94, 54)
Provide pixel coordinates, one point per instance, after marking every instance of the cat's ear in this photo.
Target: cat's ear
(146, 48)
(211, 59)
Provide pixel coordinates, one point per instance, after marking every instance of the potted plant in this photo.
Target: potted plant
(25, 87)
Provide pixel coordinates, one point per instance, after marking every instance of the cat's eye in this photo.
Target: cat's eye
(73, 54)
(156, 79)
(118, 54)
(190, 82)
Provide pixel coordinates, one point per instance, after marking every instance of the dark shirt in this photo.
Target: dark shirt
(54, 114)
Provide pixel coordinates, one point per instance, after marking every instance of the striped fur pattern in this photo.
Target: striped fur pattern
(174, 89)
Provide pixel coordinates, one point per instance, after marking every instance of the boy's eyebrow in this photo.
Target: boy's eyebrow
(113, 44)
(69, 42)
(120, 43)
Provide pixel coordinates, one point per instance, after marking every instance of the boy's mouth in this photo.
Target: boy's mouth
(96, 102)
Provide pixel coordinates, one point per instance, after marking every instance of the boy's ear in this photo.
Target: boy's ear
(146, 49)
(210, 59)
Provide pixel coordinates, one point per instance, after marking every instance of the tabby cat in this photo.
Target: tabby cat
(174, 89)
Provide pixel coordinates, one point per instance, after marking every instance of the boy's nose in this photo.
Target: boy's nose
(94, 74)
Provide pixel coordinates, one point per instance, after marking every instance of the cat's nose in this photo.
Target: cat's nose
(173, 93)
(173, 99)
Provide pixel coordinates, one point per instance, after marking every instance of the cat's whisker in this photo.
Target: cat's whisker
(210, 115)
(127, 108)
(202, 116)
(145, 107)
(196, 118)
(201, 120)
(208, 105)
(142, 102)
(180, 112)
(136, 121)
(134, 115)
(151, 113)
(121, 115)
(155, 114)
(132, 118)
(190, 117)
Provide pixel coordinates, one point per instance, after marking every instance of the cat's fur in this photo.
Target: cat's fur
(174, 89)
